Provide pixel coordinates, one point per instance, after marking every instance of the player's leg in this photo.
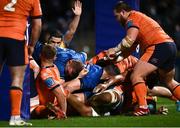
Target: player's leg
(174, 86)
(16, 61)
(17, 77)
(81, 107)
(141, 70)
(160, 91)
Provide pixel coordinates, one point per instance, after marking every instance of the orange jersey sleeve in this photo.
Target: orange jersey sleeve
(150, 31)
(47, 79)
(127, 63)
(51, 76)
(14, 15)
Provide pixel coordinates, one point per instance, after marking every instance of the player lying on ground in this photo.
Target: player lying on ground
(77, 86)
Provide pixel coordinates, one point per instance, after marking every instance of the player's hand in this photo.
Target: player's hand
(56, 110)
(77, 8)
(111, 53)
(83, 73)
(100, 88)
(30, 50)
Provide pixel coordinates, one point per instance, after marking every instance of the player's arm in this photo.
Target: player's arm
(61, 97)
(74, 23)
(34, 67)
(114, 79)
(125, 44)
(58, 90)
(35, 33)
(75, 84)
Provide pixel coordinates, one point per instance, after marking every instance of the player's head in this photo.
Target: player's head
(55, 38)
(72, 69)
(48, 52)
(121, 10)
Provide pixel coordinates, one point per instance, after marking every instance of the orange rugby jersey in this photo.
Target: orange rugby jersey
(126, 64)
(14, 14)
(48, 78)
(150, 31)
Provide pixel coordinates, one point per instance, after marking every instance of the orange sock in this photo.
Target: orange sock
(141, 92)
(15, 99)
(176, 92)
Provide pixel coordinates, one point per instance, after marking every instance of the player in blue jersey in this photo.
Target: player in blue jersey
(63, 55)
(62, 41)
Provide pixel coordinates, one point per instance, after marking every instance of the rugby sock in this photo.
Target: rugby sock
(15, 99)
(141, 92)
(176, 92)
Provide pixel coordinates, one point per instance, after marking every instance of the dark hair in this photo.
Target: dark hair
(48, 51)
(56, 33)
(121, 5)
(72, 69)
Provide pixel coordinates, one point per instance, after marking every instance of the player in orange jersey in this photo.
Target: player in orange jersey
(13, 49)
(49, 84)
(157, 48)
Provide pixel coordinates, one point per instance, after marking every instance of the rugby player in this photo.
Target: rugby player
(157, 48)
(13, 49)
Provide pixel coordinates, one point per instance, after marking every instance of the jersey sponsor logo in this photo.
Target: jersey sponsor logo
(49, 82)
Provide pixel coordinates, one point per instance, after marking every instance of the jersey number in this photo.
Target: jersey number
(9, 6)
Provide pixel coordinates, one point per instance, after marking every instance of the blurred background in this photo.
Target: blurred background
(58, 13)
(166, 13)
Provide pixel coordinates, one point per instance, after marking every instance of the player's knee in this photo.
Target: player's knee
(86, 111)
(136, 78)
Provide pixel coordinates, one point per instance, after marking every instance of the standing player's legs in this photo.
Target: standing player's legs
(16, 59)
(17, 76)
(141, 70)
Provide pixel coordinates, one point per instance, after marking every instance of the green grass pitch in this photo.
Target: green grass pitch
(170, 120)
